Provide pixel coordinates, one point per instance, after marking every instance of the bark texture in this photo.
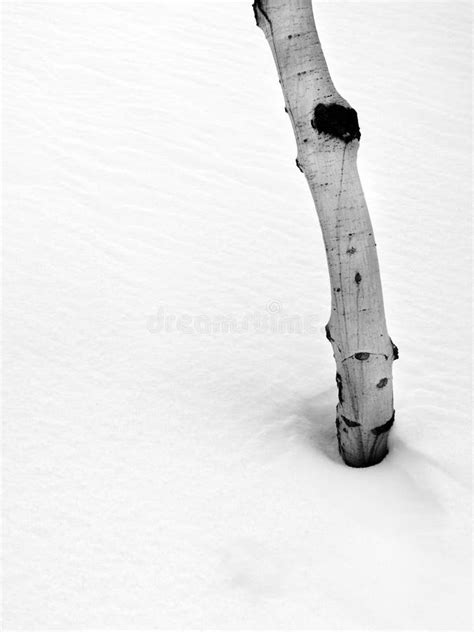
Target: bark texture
(327, 137)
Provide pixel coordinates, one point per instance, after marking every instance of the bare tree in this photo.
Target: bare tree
(327, 137)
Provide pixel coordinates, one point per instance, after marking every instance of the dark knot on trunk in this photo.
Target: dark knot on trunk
(337, 121)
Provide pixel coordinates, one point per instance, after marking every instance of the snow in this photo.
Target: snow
(161, 471)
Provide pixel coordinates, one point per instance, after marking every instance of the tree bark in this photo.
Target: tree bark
(327, 137)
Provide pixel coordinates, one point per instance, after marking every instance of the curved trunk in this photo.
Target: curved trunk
(327, 137)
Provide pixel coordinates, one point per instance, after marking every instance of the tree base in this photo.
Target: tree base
(359, 448)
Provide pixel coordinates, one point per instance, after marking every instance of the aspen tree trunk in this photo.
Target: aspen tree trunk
(327, 137)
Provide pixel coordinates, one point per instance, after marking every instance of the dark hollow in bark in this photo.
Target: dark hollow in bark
(336, 120)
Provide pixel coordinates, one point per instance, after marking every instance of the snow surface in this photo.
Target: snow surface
(175, 475)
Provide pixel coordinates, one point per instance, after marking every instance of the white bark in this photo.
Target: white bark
(327, 141)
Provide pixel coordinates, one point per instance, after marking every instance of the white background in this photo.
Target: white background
(161, 478)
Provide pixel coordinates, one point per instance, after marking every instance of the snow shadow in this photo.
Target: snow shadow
(309, 421)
